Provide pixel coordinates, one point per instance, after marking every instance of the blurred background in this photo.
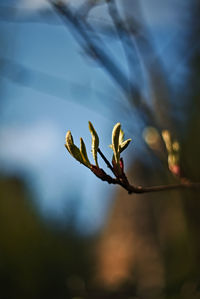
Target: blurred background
(63, 232)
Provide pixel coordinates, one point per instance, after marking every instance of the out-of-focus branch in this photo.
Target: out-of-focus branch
(122, 32)
(159, 91)
(86, 36)
(92, 43)
(49, 84)
(127, 38)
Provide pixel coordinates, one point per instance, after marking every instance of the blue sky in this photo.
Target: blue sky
(34, 120)
(49, 87)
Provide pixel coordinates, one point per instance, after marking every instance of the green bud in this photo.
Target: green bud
(84, 153)
(72, 148)
(121, 136)
(69, 141)
(115, 142)
(167, 140)
(124, 145)
(95, 142)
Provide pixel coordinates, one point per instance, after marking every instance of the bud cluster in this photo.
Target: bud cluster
(118, 146)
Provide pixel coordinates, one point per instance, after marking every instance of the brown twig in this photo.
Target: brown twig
(124, 183)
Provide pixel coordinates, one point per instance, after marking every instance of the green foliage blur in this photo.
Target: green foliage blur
(37, 259)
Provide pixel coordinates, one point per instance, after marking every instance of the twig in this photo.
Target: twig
(124, 183)
(105, 160)
(139, 189)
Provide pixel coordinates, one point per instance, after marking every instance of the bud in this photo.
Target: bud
(173, 149)
(121, 164)
(84, 153)
(124, 145)
(115, 142)
(95, 142)
(175, 169)
(75, 151)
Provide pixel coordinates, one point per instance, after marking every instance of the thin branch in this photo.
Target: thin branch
(120, 28)
(105, 160)
(139, 189)
(97, 48)
(94, 45)
(124, 183)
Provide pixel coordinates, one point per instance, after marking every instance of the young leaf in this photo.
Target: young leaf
(69, 142)
(72, 148)
(124, 145)
(167, 140)
(84, 153)
(115, 142)
(121, 136)
(95, 142)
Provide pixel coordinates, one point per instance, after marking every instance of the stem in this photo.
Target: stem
(124, 183)
(105, 160)
(140, 189)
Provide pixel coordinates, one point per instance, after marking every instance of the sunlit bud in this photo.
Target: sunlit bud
(95, 142)
(84, 153)
(152, 137)
(115, 142)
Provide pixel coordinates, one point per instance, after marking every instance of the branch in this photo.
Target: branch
(124, 183)
(97, 47)
(118, 146)
(122, 33)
